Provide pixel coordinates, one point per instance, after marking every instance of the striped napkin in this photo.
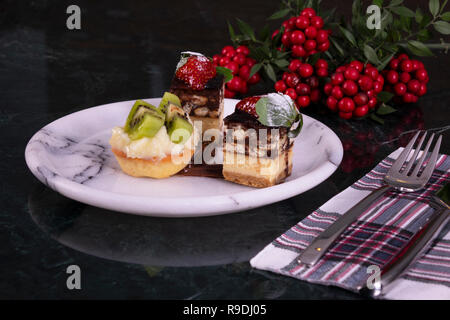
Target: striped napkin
(373, 240)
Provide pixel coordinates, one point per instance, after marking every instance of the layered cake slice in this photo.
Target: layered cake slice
(258, 140)
(200, 89)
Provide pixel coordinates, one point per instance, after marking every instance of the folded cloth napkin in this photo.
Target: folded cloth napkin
(381, 232)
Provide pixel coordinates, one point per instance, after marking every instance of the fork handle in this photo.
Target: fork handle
(319, 246)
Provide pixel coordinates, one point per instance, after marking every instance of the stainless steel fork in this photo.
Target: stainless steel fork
(398, 177)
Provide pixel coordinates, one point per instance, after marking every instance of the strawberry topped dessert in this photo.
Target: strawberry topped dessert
(200, 88)
(258, 140)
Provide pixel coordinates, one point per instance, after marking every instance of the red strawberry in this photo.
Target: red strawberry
(196, 72)
(248, 105)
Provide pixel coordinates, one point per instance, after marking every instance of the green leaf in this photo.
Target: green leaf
(376, 118)
(227, 73)
(279, 14)
(434, 7)
(378, 3)
(386, 61)
(419, 49)
(337, 46)
(281, 63)
(403, 11)
(231, 32)
(385, 96)
(395, 3)
(384, 109)
(277, 110)
(347, 34)
(442, 27)
(270, 72)
(255, 69)
(446, 16)
(295, 132)
(370, 54)
(246, 29)
(419, 15)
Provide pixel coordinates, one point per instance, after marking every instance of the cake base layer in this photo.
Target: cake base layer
(259, 173)
(209, 123)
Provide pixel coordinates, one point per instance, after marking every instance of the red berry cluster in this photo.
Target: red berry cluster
(407, 79)
(353, 89)
(301, 82)
(238, 61)
(304, 34)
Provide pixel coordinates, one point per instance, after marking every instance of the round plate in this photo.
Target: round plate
(72, 156)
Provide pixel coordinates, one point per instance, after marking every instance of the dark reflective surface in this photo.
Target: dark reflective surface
(126, 51)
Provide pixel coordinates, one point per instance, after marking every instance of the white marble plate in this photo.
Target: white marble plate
(72, 156)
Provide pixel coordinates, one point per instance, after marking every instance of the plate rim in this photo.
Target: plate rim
(223, 204)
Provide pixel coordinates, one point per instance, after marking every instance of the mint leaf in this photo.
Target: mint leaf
(227, 73)
(277, 110)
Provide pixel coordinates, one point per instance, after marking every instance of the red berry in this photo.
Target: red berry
(243, 49)
(302, 89)
(286, 39)
(372, 73)
(292, 80)
(392, 77)
(236, 84)
(228, 49)
(332, 103)
(361, 99)
(239, 58)
(305, 70)
(233, 66)
(422, 89)
(351, 74)
(298, 51)
(297, 37)
(250, 62)
(380, 79)
(322, 72)
(337, 78)
(294, 65)
(345, 115)
(322, 36)
(224, 61)
(248, 105)
(313, 82)
(402, 56)
(254, 78)
(321, 63)
(291, 93)
(365, 83)
(349, 87)
(315, 95)
(280, 86)
(303, 101)
(394, 63)
(406, 65)
(216, 58)
(372, 103)
(274, 34)
(416, 64)
(308, 12)
(400, 89)
(324, 46)
(285, 74)
(405, 77)
(229, 93)
(317, 22)
(302, 22)
(244, 72)
(311, 32)
(346, 105)
(291, 23)
(361, 111)
(327, 88)
(358, 65)
(341, 69)
(377, 87)
(414, 86)
(310, 45)
(408, 98)
(337, 92)
(422, 75)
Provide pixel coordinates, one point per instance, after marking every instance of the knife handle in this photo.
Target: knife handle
(319, 246)
(415, 250)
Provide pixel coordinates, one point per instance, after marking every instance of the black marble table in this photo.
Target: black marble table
(128, 50)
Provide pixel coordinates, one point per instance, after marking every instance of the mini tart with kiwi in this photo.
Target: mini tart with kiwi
(156, 142)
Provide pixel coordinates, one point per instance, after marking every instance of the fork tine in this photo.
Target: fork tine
(426, 174)
(416, 152)
(397, 165)
(423, 157)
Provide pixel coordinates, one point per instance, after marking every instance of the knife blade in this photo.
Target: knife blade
(419, 244)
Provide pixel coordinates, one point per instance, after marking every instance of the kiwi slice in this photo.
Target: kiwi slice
(168, 98)
(144, 120)
(179, 129)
